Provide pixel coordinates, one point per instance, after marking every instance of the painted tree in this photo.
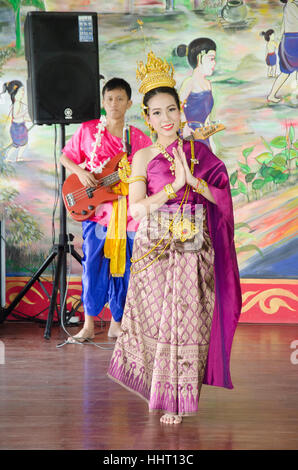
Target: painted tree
(16, 5)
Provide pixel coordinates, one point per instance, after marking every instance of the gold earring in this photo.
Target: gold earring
(153, 134)
(181, 126)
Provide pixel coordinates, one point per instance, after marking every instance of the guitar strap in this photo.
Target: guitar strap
(128, 140)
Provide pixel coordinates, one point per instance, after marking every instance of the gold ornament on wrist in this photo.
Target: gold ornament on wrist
(201, 186)
(170, 191)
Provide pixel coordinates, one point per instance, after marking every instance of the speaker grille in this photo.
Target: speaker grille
(63, 70)
(71, 81)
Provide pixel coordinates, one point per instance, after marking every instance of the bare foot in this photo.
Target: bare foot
(115, 329)
(82, 336)
(171, 419)
(273, 99)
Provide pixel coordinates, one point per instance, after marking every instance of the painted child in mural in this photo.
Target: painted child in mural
(106, 260)
(271, 46)
(288, 48)
(177, 328)
(196, 91)
(18, 115)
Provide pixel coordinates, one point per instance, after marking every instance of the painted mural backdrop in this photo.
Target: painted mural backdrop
(238, 82)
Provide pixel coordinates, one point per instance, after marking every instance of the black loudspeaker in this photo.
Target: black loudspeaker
(61, 50)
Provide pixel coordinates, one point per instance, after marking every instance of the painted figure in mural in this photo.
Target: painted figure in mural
(177, 329)
(18, 115)
(106, 260)
(271, 46)
(288, 48)
(196, 91)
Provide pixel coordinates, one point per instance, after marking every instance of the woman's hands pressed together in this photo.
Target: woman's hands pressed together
(182, 171)
(183, 175)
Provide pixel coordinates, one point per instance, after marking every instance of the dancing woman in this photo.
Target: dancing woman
(184, 298)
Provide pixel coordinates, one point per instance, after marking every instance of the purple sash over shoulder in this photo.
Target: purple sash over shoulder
(228, 300)
(220, 219)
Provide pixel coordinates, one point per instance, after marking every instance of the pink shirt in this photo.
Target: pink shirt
(80, 147)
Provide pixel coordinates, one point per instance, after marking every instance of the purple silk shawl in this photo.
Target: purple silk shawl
(220, 221)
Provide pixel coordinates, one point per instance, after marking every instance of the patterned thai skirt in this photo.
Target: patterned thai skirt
(162, 351)
(19, 134)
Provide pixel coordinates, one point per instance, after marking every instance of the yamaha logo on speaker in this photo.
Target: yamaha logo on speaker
(68, 113)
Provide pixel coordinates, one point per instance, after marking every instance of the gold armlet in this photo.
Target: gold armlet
(201, 186)
(136, 178)
(170, 191)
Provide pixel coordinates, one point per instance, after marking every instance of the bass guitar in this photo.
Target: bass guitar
(81, 201)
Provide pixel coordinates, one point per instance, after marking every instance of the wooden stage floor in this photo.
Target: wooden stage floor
(60, 398)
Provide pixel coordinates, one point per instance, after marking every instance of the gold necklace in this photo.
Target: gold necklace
(184, 228)
(169, 157)
(158, 243)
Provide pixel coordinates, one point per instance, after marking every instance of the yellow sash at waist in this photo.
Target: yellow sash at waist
(115, 244)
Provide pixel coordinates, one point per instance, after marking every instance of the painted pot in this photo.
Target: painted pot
(234, 11)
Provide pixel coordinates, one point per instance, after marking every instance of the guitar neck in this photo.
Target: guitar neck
(109, 179)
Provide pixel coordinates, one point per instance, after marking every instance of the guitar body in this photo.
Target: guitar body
(80, 201)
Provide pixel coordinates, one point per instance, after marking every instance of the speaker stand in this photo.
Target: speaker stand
(60, 250)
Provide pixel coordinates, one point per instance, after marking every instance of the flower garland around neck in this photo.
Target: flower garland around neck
(101, 126)
(96, 143)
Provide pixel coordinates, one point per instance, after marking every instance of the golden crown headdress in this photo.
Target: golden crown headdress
(155, 73)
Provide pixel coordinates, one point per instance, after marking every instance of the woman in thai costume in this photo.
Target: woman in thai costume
(19, 115)
(288, 48)
(184, 298)
(196, 91)
(270, 57)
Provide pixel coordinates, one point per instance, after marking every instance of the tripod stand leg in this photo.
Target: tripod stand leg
(34, 278)
(48, 327)
(75, 254)
(63, 289)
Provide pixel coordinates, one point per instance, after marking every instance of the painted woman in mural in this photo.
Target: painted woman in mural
(288, 48)
(18, 114)
(196, 91)
(270, 57)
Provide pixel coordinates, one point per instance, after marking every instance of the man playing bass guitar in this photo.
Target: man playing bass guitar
(106, 252)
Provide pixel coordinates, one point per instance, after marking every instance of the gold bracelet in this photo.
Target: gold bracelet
(170, 191)
(136, 178)
(201, 186)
